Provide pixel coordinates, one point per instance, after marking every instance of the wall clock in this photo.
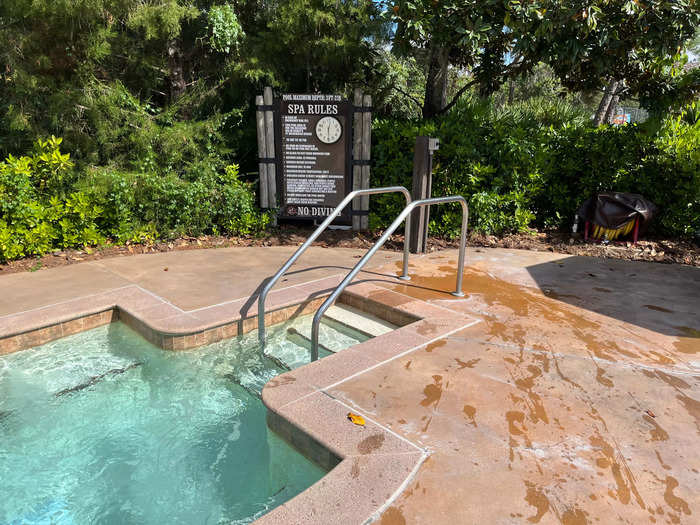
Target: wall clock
(329, 130)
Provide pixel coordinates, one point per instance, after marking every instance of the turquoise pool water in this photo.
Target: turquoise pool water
(103, 427)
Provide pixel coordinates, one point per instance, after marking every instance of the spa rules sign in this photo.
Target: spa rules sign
(314, 169)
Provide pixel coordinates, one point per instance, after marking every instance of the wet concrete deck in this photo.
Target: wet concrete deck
(576, 399)
(577, 405)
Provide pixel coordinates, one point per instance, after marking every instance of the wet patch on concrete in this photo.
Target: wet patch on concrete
(370, 444)
(588, 418)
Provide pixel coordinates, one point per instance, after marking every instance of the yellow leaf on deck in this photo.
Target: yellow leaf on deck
(356, 418)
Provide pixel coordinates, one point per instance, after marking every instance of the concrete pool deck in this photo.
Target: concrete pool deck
(559, 390)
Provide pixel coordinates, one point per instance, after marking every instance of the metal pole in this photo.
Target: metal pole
(367, 256)
(350, 196)
(462, 249)
(404, 273)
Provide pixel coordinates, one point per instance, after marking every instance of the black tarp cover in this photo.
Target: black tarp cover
(613, 210)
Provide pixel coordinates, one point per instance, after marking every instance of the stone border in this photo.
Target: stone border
(369, 465)
(162, 323)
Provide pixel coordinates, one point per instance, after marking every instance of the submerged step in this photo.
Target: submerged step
(364, 322)
(289, 345)
(305, 342)
(293, 351)
(254, 377)
(333, 335)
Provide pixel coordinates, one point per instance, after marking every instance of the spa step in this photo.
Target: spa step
(280, 356)
(304, 341)
(254, 376)
(333, 335)
(364, 322)
(295, 350)
(291, 348)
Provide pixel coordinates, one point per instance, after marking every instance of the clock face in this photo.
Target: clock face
(329, 130)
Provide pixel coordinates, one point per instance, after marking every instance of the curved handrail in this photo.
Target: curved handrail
(405, 214)
(350, 196)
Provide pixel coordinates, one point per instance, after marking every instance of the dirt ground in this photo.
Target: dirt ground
(656, 250)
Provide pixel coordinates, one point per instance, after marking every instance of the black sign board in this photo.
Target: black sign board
(314, 168)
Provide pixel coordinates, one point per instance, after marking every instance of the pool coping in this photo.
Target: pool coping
(158, 320)
(370, 465)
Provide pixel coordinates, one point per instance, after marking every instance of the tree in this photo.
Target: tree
(466, 34)
(56, 57)
(606, 102)
(586, 44)
(162, 22)
(316, 45)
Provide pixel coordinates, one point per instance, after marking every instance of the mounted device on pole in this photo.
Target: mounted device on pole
(422, 188)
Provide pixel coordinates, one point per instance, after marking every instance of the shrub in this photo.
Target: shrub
(168, 205)
(660, 160)
(36, 217)
(119, 130)
(44, 205)
(533, 163)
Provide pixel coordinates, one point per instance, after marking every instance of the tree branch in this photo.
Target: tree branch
(409, 96)
(456, 97)
(622, 90)
(404, 93)
(510, 70)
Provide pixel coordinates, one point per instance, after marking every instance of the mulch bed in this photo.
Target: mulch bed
(653, 250)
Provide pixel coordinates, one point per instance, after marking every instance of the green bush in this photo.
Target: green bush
(119, 130)
(167, 205)
(534, 163)
(660, 160)
(38, 213)
(45, 205)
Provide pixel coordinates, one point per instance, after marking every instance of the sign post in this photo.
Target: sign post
(319, 154)
(422, 189)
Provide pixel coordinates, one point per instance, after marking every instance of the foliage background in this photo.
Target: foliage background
(153, 100)
(533, 163)
(46, 205)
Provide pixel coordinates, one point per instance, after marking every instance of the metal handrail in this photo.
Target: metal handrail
(405, 214)
(314, 236)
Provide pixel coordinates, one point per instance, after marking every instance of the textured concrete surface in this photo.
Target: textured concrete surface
(577, 403)
(193, 279)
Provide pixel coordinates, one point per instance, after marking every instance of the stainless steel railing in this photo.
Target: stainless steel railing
(314, 236)
(405, 214)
